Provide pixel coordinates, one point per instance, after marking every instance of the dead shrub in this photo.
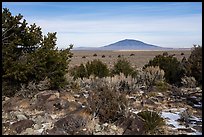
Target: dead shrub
(108, 105)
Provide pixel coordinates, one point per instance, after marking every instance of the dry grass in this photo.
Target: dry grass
(139, 59)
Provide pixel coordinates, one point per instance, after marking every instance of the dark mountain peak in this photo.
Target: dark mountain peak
(131, 44)
(130, 41)
(128, 44)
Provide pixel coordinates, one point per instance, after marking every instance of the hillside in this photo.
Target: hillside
(127, 44)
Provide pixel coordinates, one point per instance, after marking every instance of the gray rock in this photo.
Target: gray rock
(37, 126)
(29, 131)
(113, 127)
(21, 117)
(97, 128)
(6, 98)
(21, 125)
(74, 122)
(39, 119)
(105, 124)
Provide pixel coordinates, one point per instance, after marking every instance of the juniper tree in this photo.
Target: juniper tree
(27, 55)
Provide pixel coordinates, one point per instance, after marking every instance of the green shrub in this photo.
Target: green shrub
(173, 69)
(79, 72)
(97, 68)
(162, 86)
(123, 66)
(195, 63)
(28, 56)
(152, 120)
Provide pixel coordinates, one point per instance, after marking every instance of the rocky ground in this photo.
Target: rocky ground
(65, 112)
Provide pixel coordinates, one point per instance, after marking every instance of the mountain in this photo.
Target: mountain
(127, 44)
(130, 44)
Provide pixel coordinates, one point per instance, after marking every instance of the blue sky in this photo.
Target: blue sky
(95, 24)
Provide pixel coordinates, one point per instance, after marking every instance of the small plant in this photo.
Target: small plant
(182, 54)
(152, 120)
(161, 86)
(103, 56)
(188, 82)
(83, 56)
(95, 55)
(78, 72)
(123, 66)
(132, 54)
(151, 75)
(74, 86)
(165, 54)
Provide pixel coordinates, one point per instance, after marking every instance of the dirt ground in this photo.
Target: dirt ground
(138, 59)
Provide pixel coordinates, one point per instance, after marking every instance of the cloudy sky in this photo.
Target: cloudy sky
(95, 24)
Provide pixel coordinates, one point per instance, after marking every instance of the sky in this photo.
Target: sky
(96, 24)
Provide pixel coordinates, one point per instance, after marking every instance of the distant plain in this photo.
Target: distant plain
(138, 58)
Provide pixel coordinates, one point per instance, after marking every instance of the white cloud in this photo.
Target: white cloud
(179, 31)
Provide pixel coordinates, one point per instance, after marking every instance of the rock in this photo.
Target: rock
(154, 99)
(160, 98)
(21, 117)
(67, 96)
(11, 104)
(23, 104)
(29, 131)
(97, 128)
(6, 98)
(160, 94)
(38, 132)
(52, 97)
(54, 131)
(64, 103)
(37, 126)
(74, 122)
(141, 92)
(76, 95)
(19, 126)
(191, 100)
(198, 128)
(113, 127)
(39, 119)
(105, 124)
(133, 125)
(189, 130)
(149, 102)
(72, 106)
(53, 116)
(198, 88)
(47, 125)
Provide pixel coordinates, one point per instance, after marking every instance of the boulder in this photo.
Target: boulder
(133, 125)
(21, 117)
(75, 122)
(21, 125)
